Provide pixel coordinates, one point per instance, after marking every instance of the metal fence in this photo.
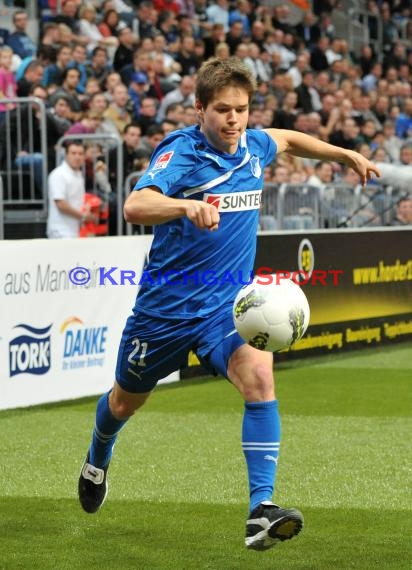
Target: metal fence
(302, 207)
(128, 185)
(23, 160)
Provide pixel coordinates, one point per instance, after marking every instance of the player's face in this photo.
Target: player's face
(225, 118)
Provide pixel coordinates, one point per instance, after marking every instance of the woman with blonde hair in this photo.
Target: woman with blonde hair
(88, 28)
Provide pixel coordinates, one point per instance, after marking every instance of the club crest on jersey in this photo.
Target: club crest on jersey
(235, 201)
(163, 160)
(255, 166)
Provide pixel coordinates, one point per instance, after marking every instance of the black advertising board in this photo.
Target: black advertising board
(358, 283)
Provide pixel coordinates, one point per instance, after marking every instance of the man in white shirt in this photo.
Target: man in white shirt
(66, 194)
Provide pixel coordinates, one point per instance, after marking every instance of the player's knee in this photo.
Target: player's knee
(122, 411)
(125, 408)
(261, 385)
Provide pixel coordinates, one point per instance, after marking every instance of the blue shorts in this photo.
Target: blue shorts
(153, 347)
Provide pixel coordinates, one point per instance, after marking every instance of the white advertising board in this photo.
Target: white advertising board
(59, 340)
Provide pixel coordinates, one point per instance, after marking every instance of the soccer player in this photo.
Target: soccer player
(202, 193)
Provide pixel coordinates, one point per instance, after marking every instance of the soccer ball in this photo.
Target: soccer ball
(271, 317)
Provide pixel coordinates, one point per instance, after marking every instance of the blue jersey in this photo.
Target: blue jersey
(192, 272)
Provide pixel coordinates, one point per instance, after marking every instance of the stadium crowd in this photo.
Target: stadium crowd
(129, 67)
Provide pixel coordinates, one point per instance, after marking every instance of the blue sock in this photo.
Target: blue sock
(105, 433)
(260, 442)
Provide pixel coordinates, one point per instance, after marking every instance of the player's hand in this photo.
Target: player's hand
(204, 216)
(364, 167)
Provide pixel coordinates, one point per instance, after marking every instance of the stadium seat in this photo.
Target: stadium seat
(297, 222)
(268, 222)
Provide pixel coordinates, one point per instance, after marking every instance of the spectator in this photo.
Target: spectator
(92, 87)
(368, 132)
(381, 109)
(159, 83)
(280, 18)
(389, 28)
(308, 30)
(89, 29)
(308, 97)
(235, 36)
(149, 142)
(131, 140)
(148, 112)
(296, 71)
(167, 25)
(200, 21)
(175, 112)
(138, 88)
(260, 69)
(168, 126)
(108, 26)
(370, 80)
(99, 104)
(21, 44)
(403, 125)
(66, 194)
(50, 36)
(392, 144)
(189, 116)
(118, 111)
(123, 55)
(405, 154)
(318, 58)
(218, 13)
(71, 78)
(147, 18)
(243, 15)
(98, 66)
(87, 125)
(140, 64)
(186, 57)
(112, 80)
(323, 175)
(184, 93)
(79, 56)
(68, 17)
(53, 74)
(403, 213)
(347, 136)
(32, 76)
(216, 36)
(8, 85)
(285, 117)
(171, 69)
(281, 175)
(59, 115)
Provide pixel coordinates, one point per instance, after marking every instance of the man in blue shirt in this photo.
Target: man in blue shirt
(21, 44)
(202, 193)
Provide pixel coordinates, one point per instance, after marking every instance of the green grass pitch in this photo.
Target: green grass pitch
(177, 483)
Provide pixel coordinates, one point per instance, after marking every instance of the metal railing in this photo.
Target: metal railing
(130, 181)
(23, 165)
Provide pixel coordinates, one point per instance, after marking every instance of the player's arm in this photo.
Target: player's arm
(150, 207)
(305, 146)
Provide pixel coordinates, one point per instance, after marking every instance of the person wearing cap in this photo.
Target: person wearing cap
(137, 90)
